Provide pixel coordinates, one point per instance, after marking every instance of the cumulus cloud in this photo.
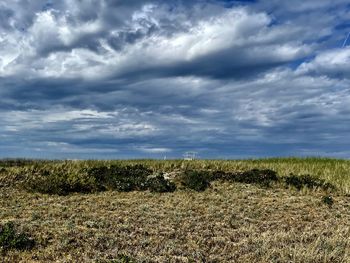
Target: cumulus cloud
(226, 45)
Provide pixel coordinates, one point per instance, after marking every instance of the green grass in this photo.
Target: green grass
(334, 171)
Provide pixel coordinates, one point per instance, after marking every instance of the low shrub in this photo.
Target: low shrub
(42, 181)
(328, 200)
(100, 174)
(62, 180)
(160, 185)
(220, 175)
(255, 176)
(120, 178)
(10, 239)
(128, 178)
(301, 181)
(195, 180)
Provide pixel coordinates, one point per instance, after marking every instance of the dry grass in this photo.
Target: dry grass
(229, 222)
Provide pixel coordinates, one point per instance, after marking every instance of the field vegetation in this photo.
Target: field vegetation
(268, 210)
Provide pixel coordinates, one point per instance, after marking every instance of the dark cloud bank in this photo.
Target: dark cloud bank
(131, 79)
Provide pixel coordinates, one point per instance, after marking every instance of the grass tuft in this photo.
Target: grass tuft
(10, 239)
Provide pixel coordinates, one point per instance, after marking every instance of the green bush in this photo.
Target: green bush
(200, 180)
(128, 178)
(195, 180)
(328, 200)
(41, 180)
(220, 175)
(100, 174)
(160, 185)
(301, 181)
(63, 180)
(120, 178)
(9, 239)
(255, 176)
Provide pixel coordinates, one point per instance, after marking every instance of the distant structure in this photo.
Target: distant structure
(190, 156)
(346, 40)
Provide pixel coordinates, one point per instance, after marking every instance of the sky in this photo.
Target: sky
(110, 79)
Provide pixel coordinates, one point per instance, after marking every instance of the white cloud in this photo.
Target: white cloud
(44, 50)
(332, 63)
(154, 150)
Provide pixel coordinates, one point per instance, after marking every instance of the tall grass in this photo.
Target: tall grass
(334, 171)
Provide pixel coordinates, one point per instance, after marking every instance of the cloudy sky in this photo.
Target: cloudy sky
(132, 78)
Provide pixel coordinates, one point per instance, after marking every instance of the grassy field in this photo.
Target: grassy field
(229, 221)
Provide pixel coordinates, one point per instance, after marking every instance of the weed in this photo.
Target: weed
(328, 200)
(9, 239)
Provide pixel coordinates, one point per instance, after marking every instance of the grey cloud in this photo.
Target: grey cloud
(52, 33)
(118, 79)
(333, 63)
(231, 121)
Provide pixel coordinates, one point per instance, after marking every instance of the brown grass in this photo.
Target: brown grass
(229, 222)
